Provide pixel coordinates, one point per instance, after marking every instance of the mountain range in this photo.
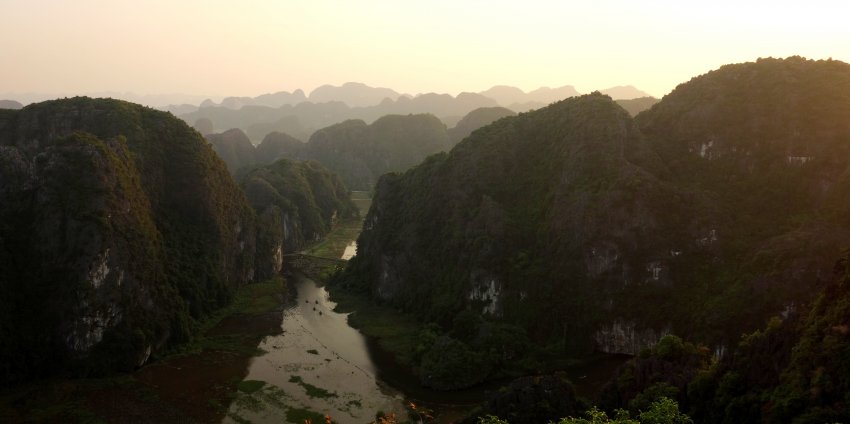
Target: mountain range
(720, 206)
(120, 229)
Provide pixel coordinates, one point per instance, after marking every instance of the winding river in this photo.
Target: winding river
(319, 363)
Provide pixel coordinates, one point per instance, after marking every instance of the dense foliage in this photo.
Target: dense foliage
(297, 202)
(592, 230)
(795, 369)
(661, 411)
(118, 227)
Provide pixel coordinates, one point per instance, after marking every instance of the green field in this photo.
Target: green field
(345, 231)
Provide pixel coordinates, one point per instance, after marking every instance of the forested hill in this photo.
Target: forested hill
(794, 369)
(720, 206)
(552, 213)
(361, 153)
(357, 152)
(296, 203)
(118, 227)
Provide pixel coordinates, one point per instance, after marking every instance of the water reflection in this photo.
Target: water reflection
(350, 251)
(319, 363)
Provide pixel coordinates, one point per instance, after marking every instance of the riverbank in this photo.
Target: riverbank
(195, 383)
(318, 366)
(344, 233)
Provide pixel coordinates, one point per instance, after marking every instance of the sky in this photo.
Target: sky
(216, 48)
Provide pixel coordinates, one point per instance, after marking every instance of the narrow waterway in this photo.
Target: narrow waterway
(319, 363)
(350, 251)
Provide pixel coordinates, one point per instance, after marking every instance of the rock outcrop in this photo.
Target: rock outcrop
(297, 203)
(579, 222)
(118, 226)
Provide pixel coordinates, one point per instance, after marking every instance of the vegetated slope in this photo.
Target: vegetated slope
(360, 153)
(234, 148)
(357, 152)
(296, 202)
(795, 369)
(118, 226)
(539, 219)
(724, 208)
(770, 141)
(475, 120)
(276, 145)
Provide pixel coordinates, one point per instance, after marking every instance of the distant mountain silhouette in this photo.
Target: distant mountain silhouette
(624, 92)
(354, 94)
(361, 153)
(511, 97)
(281, 98)
(278, 145)
(300, 116)
(234, 148)
(505, 94)
(475, 120)
(10, 104)
(549, 95)
(302, 120)
(180, 109)
(636, 106)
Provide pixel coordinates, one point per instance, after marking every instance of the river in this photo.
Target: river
(319, 363)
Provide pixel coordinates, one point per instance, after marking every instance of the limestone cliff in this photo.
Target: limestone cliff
(723, 204)
(543, 219)
(297, 202)
(119, 225)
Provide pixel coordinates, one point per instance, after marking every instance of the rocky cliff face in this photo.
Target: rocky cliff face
(539, 218)
(297, 202)
(578, 222)
(119, 226)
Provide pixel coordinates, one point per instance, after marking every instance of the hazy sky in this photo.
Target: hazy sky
(250, 47)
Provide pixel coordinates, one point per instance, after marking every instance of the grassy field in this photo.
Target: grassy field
(345, 231)
(396, 332)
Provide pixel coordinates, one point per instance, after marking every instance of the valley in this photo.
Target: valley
(683, 257)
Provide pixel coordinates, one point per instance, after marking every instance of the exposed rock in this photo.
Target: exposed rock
(297, 202)
(626, 338)
(118, 224)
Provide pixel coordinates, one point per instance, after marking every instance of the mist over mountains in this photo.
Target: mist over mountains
(300, 116)
(355, 94)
